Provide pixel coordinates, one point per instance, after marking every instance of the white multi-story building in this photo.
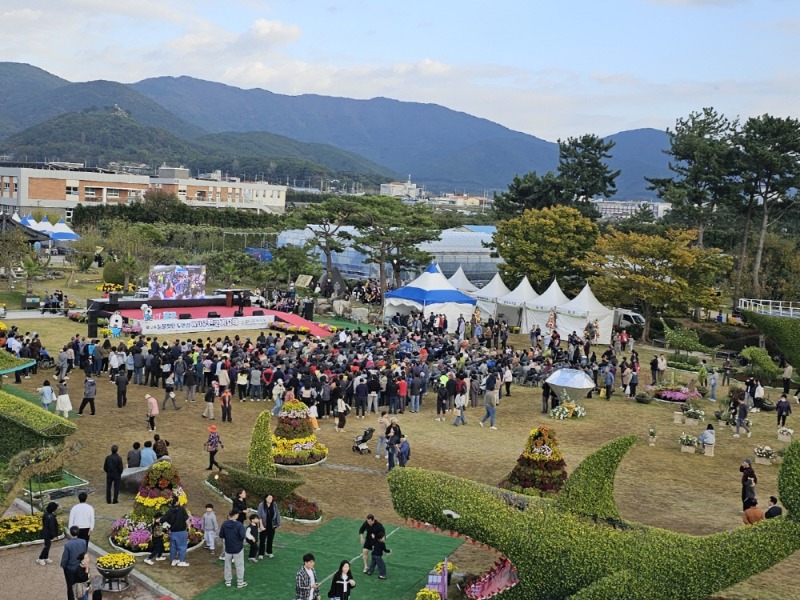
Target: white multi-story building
(59, 187)
(622, 209)
(399, 189)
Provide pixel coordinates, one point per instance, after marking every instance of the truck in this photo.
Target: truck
(624, 318)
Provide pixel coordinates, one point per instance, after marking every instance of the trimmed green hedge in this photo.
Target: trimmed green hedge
(785, 332)
(25, 425)
(560, 554)
(281, 485)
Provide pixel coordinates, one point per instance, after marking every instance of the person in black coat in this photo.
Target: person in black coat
(113, 467)
(50, 530)
(240, 504)
(342, 582)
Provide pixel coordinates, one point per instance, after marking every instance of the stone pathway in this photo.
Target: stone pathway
(29, 580)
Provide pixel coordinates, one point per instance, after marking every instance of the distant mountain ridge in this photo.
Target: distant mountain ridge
(442, 149)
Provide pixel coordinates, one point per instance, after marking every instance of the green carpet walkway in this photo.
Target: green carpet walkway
(414, 553)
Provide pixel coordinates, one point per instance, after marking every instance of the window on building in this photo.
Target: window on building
(72, 190)
(68, 215)
(219, 196)
(16, 187)
(182, 193)
(7, 186)
(91, 192)
(112, 193)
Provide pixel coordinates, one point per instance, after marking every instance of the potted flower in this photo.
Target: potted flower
(785, 434)
(694, 416)
(652, 434)
(451, 568)
(677, 417)
(115, 568)
(764, 455)
(688, 443)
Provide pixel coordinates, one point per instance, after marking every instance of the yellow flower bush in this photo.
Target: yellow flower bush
(3, 326)
(22, 528)
(451, 568)
(426, 594)
(117, 560)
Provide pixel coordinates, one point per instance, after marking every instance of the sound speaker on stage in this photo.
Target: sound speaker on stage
(238, 313)
(213, 315)
(185, 316)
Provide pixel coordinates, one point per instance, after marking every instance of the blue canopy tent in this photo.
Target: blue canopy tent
(429, 293)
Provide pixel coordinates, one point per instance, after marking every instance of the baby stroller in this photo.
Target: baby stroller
(360, 442)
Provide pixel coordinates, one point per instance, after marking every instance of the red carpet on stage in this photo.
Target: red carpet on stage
(201, 312)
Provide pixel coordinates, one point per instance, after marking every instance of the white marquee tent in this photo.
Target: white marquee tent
(460, 281)
(487, 296)
(583, 308)
(516, 300)
(539, 311)
(430, 293)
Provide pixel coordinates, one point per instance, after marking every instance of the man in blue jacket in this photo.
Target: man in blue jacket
(70, 558)
(232, 534)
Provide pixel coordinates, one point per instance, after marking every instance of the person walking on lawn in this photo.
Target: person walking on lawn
(490, 399)
(89, 393)
(741, 419)
(213, 445)
(367, 534)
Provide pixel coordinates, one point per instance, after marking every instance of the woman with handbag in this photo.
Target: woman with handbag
(82, 585)
(270, 518)
(342, 408)
(213, 445)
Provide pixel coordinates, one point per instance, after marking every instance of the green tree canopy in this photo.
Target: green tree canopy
(581, 164)
(547, 243)
(654, 271)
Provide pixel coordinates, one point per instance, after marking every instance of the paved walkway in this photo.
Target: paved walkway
(29, 580)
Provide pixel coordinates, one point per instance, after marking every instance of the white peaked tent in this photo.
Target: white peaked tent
(45, 226)
(430, 293)
(29, 221)
(15, 217)
(461, 283)
(539, 311)
(516, 299)
(487, 296)
(582, 309)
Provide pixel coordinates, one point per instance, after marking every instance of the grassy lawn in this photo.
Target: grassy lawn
(657, 486)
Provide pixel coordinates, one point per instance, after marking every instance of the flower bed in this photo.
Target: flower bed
(673, 393)
(687, 440)
(294, 442)
(23, 529)
(134, 536)
(117, 560)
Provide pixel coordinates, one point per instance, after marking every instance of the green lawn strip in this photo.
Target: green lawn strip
(413, 555)
(342, 323)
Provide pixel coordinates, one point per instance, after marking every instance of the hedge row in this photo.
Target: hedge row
(25, 425)
(785, 332)
(281, 485)
(561, 554)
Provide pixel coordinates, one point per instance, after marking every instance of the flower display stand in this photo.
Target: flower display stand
(677, 418)
(760, 460)
(784, 438)
(652, 440)
(115, 580)
(692, 422)
(709, 451)
(688, 449)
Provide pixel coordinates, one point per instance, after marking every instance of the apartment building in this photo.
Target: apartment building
(214, 190)
(59, 187)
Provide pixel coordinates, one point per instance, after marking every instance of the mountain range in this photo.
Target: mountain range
(208, 125)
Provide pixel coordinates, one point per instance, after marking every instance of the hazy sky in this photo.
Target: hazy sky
(551, 68)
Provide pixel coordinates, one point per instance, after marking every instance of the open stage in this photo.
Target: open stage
(196, 318)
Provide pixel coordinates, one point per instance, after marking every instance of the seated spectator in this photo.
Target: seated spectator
(752, 514)
(708, 437)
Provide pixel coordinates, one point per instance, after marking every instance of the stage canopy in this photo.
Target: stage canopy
(430, 293)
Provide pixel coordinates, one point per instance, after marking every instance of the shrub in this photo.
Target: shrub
(259, 456)
(761, 359)
(113, 272)
(592, 560)
(282, 485)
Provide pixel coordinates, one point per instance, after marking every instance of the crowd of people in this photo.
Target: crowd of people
(379, 374)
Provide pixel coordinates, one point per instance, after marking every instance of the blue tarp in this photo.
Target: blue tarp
(259, 254)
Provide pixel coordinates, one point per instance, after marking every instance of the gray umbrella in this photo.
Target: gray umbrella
(570, 382)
